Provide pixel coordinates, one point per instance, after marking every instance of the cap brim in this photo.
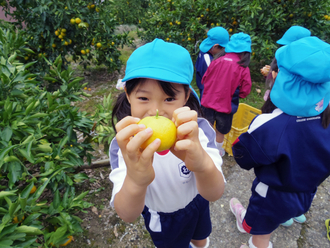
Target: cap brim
(206, 45)
(283, 42)
(157, 74)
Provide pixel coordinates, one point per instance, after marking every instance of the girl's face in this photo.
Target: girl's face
(149, 96)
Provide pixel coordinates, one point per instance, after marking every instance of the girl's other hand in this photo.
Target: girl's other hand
(265, 70)
(130, 136)
(188, 147)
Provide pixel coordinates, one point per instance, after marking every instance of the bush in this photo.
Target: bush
(39, 151)
(186, 22)
(82, 29)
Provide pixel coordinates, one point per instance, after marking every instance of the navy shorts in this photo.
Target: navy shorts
(268, 208)
(222, 121)
(175, 230)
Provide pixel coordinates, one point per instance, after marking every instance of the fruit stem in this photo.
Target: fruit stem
(156, 113)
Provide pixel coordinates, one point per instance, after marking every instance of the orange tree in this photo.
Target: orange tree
(129, 11)
(83, 29)
(39, 150)
(186, 22)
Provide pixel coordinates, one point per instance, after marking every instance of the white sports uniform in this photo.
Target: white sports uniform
(174, 185)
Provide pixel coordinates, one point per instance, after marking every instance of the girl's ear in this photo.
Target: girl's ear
(274, 74)
(127, 96)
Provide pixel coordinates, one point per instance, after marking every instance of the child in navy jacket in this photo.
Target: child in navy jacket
(289, 148)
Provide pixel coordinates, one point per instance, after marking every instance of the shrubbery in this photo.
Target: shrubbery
(186, 22)
(82, 29)
(39, 150)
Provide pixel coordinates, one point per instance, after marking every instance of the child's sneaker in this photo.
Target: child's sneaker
(300, 219)
(222, 152)
(237, 209)
(287, 223)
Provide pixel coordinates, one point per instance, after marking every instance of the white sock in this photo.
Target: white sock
(219, 145)
(207, 244)
(251, 245)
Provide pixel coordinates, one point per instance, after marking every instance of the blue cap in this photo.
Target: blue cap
(217, 35)
(239, 43)
(292, 34)
(302, 86)
(162, 61)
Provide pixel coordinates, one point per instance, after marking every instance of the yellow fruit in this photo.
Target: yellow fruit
(85, 88)
(230, 30)
(83, 52)
(34, 188)
(93, 6)
(15, 219)
(26, 57)
(97, 9)
(53, 45)
(291, 15)
(56, 33)
(66, 43)
(60, 37)
(98, 44)
(73, 21)
(70, 41)
(89, 89)
(87, 50)
(78, 20)
(70, 238)
(112, 43)
(163, 129)
(63, 33)
(65, 7)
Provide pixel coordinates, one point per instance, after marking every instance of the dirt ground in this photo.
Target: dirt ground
(103, 228)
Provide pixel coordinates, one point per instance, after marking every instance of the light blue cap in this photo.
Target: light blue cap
(239, 43)
(292, 34)
(162, 61)
(217, 35)
(302, 86)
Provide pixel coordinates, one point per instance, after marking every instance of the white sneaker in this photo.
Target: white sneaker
(222, 152)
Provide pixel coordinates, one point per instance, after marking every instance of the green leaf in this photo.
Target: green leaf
(28, 230)
(4, 152)
(81, 196)
(7, 230)
(6, 134)
(26, 192)
(7, 193)
(58, 234)
(56, 200)
(14, 174)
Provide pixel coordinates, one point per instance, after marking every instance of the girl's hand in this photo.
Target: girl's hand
(188, 147)
(130, 137)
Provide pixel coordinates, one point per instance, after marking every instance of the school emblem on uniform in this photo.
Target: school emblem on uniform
(184, 172)
(319, 106)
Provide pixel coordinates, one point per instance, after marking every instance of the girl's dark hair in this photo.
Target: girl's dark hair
(245, 59)
(219, 54)
(326, 117)
(122, 107)
(269, 106)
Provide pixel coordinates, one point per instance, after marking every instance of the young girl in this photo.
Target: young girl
(269, 107)
(171, 189)
(216, 41)
(288, 148)
(226, 80)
